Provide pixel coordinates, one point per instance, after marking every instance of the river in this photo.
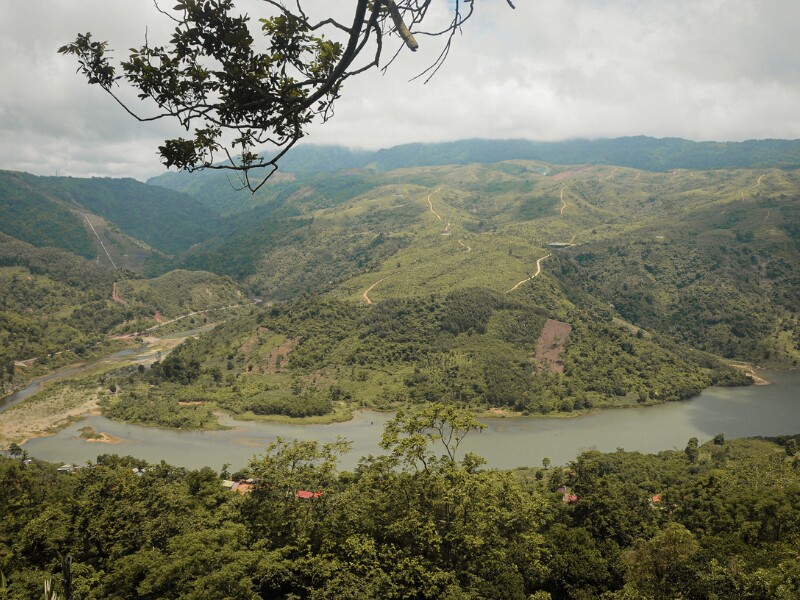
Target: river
(36, 384)
(505, 443)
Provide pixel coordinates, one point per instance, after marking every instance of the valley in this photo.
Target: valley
(383, 288)
(157, 335)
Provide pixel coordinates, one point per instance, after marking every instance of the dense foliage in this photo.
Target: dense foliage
(725, 282)
(30, 216)
(419, 521)
(47, 211)
(473, 347)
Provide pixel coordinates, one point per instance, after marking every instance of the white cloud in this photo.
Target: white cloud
(701, 69)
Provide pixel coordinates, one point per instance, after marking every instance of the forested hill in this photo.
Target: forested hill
(650, 154)
(708, 257)
(50, 211)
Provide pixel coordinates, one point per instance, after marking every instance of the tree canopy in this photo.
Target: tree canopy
(235, 93)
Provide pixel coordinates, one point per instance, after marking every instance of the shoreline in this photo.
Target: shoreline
(750, 371)
(52, 422)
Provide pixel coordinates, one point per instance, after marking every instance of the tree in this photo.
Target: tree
(791, 447)
(214, 79)
(411, 435)
(692, 451)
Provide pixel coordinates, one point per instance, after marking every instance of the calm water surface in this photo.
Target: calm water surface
(506, 443)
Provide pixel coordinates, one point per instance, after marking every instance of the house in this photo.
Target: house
(566, 497)
(240, 487)
(306, 495)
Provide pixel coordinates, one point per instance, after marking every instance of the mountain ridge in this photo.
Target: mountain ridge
(641, 152)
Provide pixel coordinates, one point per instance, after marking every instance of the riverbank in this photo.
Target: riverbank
(45, 413)
(57, 399)
(506, 442)
(60, 407)
(750, 370)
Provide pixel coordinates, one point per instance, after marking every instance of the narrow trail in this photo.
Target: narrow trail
(538, 270)
(430, 204)
(758, 183)
(115, 297)
(465, 246)
(365, 295)
(639, 174)
(612, 173)
(191, 314)
(767, 215)
(447, 229)
(563, 204)
(102, 245)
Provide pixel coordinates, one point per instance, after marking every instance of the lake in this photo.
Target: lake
(505, 443)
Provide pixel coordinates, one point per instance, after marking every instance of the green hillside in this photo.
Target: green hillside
(707, 257)
(50, 211)
(30, 216)
(56, 307)
(604, 286)
(474, 347)
(639, 152)
(180, 292)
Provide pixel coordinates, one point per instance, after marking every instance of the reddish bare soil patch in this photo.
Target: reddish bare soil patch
(550, 347)
(251, 343)
(274, 362)
(278, 358)
(115, 297)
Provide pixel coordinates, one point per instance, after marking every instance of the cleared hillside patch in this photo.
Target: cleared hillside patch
(550, 346)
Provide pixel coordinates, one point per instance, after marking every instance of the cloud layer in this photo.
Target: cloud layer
(700, 69)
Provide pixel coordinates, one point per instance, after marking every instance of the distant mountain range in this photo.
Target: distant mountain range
(640, 152)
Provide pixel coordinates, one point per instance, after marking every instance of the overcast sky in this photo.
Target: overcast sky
(725, 70)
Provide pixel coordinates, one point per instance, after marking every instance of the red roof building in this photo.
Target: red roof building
(305, 495)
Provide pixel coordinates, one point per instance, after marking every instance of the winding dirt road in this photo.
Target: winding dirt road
(430, 204)
(365, 295)
(563, 204)
(465, 246)
(115, 297)
(538, 270)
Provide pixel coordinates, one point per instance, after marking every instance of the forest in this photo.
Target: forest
(309, 356)
(420, 520)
